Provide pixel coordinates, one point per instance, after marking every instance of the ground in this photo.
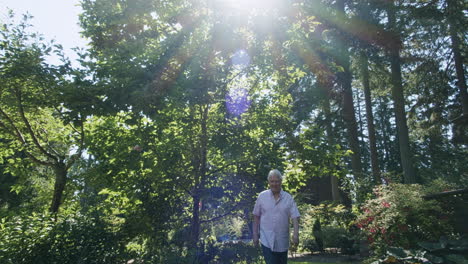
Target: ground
(323, 258)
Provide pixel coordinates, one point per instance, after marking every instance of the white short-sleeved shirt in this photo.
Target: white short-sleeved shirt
(274, 219)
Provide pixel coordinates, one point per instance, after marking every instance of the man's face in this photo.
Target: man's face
(275, 184)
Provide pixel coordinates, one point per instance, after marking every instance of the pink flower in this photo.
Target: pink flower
(385, 204)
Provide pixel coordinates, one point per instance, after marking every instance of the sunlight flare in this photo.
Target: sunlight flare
(248, 5)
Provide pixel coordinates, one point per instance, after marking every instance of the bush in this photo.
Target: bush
(332, 235)
(399, 216)
(327, 225)
(237, 252)
(448, 251)
(72, 239)
(310, 245)
(339, 237)
(211, 252)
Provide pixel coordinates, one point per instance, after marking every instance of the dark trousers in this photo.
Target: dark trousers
(274, 257)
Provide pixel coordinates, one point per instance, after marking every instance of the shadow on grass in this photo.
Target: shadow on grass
(324, 259)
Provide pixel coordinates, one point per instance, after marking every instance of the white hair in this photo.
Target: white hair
(276, 173)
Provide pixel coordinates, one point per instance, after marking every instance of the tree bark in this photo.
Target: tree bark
(59, 186)
(454, 12)
(345, 79)
(200, 178)
(334, 183)
(195, 224)
(406, 157)
(364, 64)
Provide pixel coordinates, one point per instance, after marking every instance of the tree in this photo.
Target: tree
(32, 115)
(454, 18)
(364, 13)
(345, 79)
(406, 156)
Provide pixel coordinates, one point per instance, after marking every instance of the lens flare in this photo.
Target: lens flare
(237, 101)
(241, 58)
(248, 5)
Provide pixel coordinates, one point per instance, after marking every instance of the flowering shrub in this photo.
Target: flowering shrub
(399, 216)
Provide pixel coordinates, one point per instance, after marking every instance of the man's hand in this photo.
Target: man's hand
(295, 240)
(256, 226)
(255, 241)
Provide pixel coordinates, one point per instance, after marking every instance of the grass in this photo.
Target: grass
(309, 262)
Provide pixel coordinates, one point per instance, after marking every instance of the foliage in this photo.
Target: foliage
(399, 216)
(179, 136)
(212, 252)
(237, 252)
(41, 238)
(327, 225)
(34, 117)
(448, 251)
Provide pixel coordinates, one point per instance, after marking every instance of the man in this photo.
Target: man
(271, 213)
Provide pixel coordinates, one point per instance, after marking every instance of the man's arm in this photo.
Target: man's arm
(296, 231)
(256, 225)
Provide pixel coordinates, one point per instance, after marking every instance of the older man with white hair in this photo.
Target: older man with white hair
(272, 211)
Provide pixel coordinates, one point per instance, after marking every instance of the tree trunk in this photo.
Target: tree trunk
(406, 158)
(334, 186)
(370, 118)
(345, 79)
(59, 186)
(200, 178)
(195, 223)
(454, 13)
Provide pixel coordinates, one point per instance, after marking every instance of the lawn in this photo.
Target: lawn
(324, 259)
(311, 262)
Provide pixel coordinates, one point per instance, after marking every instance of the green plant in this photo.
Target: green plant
(237, 252)
(318, 234)
(41, 238)
(447, 251)
(326, 225)
(310, 245)
(399, 216)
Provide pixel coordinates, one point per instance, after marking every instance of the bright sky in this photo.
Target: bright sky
(55, 19)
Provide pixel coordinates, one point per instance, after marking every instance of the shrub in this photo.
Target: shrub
(399, 216)
(237, 252)
(327, 225)
(310, 245)
(448, 251)
(72, 239)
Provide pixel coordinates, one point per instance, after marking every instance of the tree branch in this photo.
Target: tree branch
(21, 139)
(230, 212)
(29, 128)
(17, 133)
(81, 146)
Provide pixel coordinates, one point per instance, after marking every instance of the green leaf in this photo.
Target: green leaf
(397, 252)
(433, 258)
(458, 259)
(432, 246)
